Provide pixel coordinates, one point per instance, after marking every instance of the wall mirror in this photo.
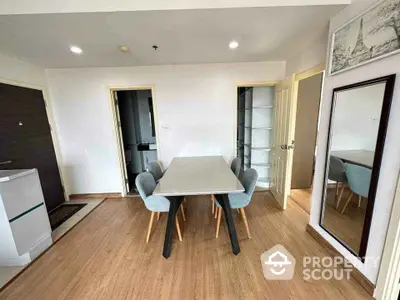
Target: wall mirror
(356, 140)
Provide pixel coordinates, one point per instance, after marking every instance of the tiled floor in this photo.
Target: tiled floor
(7, 273)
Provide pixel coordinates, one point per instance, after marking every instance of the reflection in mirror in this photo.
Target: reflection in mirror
(353, 140)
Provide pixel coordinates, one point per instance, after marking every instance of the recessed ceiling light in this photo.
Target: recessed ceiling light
(124, 48)
(76, 50)
(233, 44)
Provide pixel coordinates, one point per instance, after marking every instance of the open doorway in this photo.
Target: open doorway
(255, 113)
(135, 121)
(309, 89)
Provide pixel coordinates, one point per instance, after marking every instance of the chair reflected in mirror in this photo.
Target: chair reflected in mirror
(359, 179)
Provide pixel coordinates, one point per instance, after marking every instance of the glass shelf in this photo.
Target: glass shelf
(261, 165)
(263, 128)
(261, 148)
(264, 179)
(258, 107)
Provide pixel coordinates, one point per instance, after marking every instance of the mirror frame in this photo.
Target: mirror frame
(389, 81)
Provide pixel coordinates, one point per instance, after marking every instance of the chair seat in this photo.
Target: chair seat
(157, 203)
(237, 200)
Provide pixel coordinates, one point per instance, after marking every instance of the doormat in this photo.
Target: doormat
(63, 213)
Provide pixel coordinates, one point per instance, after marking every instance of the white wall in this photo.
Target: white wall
(12, 69)
(391, 158)
(195, 107)
(356, 118)
(310, 55)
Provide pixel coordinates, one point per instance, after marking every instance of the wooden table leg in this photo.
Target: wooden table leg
(224, 201)
(173, 208)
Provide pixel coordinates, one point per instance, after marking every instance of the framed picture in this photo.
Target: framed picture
(370, 36)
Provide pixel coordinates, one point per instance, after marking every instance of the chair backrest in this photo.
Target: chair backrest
(358, 178)
(235, 166)
(250, 177)
(146, 184)
(154, 168)
(336, 170)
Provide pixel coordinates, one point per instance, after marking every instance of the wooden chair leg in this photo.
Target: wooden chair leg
(347, 203)
(178, 228)
(183, 213)
(359, 201)
(158, 216)
(337, 189)
(340, 197)
(219, 209)
(238, 210)
(212, 204)
(150, 225)
(245, 222)
(216, 211)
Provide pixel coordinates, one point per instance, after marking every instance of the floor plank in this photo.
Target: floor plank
(302, 197)
(106, 257)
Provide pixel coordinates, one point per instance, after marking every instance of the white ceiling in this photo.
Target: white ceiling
(183, 36)
(10, 7)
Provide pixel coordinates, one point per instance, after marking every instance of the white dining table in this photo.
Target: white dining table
(200, 175)
(363, 158)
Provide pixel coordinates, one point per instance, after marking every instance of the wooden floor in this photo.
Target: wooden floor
(302, 197)
(106, 257)
(348, 226)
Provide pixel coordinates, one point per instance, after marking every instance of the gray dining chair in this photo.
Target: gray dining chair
(235, 167)
(146, 185)
(359, 179)
(240, 200)
(154, 167)
(337, 173)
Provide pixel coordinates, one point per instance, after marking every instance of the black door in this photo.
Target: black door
(25, 139)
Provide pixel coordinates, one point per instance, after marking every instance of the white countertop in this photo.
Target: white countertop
(7, 175)
(203, 175)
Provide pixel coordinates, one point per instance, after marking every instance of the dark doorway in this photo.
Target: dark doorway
(25, 139)
(138, 132)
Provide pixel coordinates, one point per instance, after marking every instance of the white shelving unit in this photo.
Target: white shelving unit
(254, 133)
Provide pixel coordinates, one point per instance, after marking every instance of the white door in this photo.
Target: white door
(283, 140)
(125, 181)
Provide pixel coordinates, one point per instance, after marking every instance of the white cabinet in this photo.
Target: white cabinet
(24, 225)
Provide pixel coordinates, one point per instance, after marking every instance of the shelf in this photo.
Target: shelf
(258, 107)
(261, 148)
(261, 165)
(254, 128)
(264, 179)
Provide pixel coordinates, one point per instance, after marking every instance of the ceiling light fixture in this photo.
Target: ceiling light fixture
(76, 50)
(233, 44)
(124, 48)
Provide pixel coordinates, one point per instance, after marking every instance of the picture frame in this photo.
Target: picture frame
(372, 35)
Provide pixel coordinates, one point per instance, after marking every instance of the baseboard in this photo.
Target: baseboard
(95, 195)
(356, 274)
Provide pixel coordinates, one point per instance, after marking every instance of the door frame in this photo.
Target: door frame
(50, 118)
(387, 285)
(297, 77)
(240, 84)
(117, 140)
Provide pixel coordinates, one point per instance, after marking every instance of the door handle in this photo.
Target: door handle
(5, 162)
(287, 147)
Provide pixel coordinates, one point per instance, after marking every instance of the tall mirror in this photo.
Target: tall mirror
(357, 131)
